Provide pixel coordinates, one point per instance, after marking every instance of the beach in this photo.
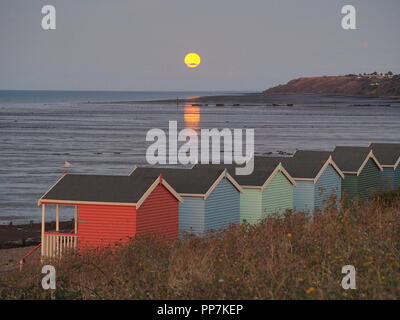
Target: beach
(9, 258)
(16, 241)
(14, 236)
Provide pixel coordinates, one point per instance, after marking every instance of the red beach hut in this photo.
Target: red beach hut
(109, 210)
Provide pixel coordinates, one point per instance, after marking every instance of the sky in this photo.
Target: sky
(246, 45)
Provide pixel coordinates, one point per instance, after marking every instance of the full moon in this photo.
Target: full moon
(192, 60)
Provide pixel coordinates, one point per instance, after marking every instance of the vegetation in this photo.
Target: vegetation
(290, 257)
(374, 84)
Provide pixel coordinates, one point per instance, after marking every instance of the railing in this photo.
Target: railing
(27, 255)
(55, 244)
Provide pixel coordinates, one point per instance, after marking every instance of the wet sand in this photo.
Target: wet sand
(254, 99)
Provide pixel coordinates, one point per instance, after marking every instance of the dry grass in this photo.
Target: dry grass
(294, 257)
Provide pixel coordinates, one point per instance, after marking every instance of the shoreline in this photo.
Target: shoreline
(117, 158)
(247, 99)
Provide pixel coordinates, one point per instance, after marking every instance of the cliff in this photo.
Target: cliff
(352, 85)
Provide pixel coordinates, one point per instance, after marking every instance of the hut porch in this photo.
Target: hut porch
(56, 242)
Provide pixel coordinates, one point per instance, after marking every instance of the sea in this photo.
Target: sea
(105, 132)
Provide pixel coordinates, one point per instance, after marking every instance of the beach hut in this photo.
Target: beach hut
(388, 155)
(361, 170)
(109, 210)
(265, 192)
(317, 178)
(318, 168)
(211, 197)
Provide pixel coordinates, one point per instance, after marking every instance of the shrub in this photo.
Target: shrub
(297, 256)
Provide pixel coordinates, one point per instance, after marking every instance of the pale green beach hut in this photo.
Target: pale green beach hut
(266, 191)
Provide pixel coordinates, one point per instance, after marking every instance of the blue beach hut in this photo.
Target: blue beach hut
(211, 197)
(265, 192)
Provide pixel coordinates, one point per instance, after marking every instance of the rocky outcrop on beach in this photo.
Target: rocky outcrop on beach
(378, 85)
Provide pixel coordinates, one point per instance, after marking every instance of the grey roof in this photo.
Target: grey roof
(99, 188)
(312, 155)
(261, 162)
(256, 178)
(350, 158)
(387, 153)
(182, 180)
(297, 168)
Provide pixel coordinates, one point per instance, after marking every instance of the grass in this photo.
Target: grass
(290, 257)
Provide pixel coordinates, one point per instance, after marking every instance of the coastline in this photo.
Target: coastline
(273, 114)
(248, 99)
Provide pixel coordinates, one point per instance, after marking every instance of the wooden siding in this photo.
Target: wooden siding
(222, 207)
(329, 184)
(397, 177)
(368, 179)
(277, 197)
(159, 214)
(390, 178)
(250, 205)
(386, 178)
(191, 215)
(303, 196)
(350, 186)
(104, 225)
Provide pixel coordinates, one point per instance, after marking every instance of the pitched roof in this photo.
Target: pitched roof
(297, 168)
(257, 178)
(304, 166)
(388, 154)
(261, 162)
(312, 155)
(185, 181)
(350, 159)
(99, 188)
